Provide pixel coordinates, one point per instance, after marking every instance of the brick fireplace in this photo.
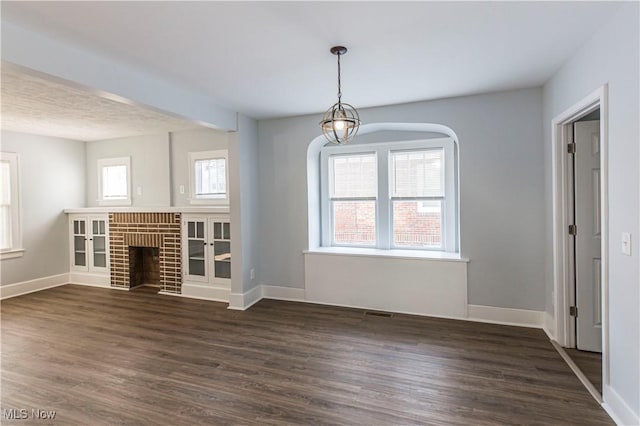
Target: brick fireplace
(140, 230)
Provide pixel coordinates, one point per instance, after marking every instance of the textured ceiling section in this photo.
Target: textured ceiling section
(36, 105)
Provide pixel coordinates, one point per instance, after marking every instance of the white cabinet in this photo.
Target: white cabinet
(89, 243)
(206, 250)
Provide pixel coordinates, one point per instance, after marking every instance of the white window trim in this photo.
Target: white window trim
(106, 162)
(16, 249)
(384, 219)
(206, 155)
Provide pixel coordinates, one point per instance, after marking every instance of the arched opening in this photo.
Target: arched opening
(314, 176)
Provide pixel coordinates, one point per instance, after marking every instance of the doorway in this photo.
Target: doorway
(585, 245)
(580, 238)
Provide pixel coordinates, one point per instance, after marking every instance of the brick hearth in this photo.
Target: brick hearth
(161, 230)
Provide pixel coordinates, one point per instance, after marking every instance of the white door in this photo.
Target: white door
(587, 250)
(78, 244)
(98, 244)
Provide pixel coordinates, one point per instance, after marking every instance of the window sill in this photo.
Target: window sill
(11, 254)
(398, 254)
(209, 201)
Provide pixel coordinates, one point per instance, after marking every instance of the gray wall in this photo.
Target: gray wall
(612, 57)
(52, 178)
(501, 192)
(149, 167)
(184, 142)
(244, 202)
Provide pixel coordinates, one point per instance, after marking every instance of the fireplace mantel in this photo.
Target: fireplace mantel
(159, 209)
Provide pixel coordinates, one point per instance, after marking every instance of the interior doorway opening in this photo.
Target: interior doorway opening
(580, 239)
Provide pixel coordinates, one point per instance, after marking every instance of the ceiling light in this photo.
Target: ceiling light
(341, 122)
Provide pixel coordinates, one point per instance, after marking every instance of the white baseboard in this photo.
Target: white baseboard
(243, 301)
(506, 316)
(205, 292)
(283, 293)
(25, 287)
(92, 280)
(618, 409)
(549, 325)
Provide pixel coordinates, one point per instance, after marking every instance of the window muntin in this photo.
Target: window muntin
(416, 196)
(10, 224)
(353, 189)
(114, 181)
(209, 177)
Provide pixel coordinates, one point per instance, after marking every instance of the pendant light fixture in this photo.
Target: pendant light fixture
(341, 122)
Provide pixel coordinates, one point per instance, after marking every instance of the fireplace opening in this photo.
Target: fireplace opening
(144, 266)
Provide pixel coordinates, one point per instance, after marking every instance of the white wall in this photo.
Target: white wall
(184, 142)
(611, 57)
(501, 192)
(52, 178)
(149, 167)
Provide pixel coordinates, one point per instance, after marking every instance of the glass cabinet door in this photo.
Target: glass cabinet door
(196, 248)
(79, 242)
(222, 249)
(99, 236)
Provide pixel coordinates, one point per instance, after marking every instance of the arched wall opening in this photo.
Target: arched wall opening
(313, 170)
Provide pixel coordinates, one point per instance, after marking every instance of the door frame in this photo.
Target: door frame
(562, 251)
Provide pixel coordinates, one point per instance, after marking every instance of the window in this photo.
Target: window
(10, 226)
(399, 195)
(114, 181)
(353, 199)
(208, 177)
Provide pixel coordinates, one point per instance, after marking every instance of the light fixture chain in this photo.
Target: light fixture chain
(339, 86)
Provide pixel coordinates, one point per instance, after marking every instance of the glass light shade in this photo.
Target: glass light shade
(340, 123)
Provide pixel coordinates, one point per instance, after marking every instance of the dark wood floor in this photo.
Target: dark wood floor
(99, 356)
(590, 363)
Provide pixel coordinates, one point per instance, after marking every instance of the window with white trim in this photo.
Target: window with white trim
(396, 195)
(10, 223)
(114, 181)
(209, 177)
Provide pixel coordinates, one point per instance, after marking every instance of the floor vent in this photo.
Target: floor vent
(378, 314)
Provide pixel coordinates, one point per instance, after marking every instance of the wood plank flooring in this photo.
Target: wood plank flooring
(590, 363)
(99, 356)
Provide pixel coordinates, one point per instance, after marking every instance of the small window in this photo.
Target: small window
(10, 224)
(114, 181)
(208, 177)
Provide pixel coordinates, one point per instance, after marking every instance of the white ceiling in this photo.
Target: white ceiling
(271, 59)
(41, 106)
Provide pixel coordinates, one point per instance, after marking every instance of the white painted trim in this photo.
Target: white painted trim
(112, 162)
(25, 287)
(205, 292)
(283, 293)
(563, 327)
(11, 254)
(618, 409)
(245, 300)
(506, 316)
(159, 209)
(88, 279)
(578, 372)
(395, 253)
(549, 325)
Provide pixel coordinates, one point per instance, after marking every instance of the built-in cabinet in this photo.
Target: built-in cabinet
(206, 250)
(89, 243)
